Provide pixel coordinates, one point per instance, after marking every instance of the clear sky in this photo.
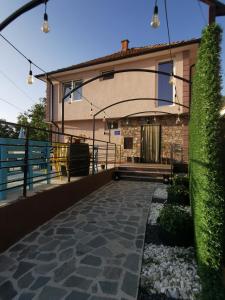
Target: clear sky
(82, 30)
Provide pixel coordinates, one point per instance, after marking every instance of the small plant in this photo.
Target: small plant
(181, 180)
(178, 194)
(176, 225)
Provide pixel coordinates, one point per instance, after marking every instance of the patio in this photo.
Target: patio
(93, 250)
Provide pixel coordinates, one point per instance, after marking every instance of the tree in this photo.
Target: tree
(34, 117)
(7, 131)
(206, 164)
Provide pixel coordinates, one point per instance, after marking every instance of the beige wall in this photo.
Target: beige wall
(124, 86)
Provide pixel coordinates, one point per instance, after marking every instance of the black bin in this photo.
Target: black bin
(79, 159)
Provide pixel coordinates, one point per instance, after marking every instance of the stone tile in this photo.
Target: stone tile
(91, 260)
(6, 262)
(39, 282)
(77, 295)
(31, 237)
(77, 282)
(7, 291)
(17, 247)
(22, 268)
(67, 244)
(50, 246)
(89, 271)
(25, 281)
(112, 273)
(46, 256)
(50, 293)
(29, 252)
(132, 262)
(64, 270)
(109, 287)
(64, 230)
(26, 296)
(130, 284)
(45, 268)
(102, 298)
(103, 252)
(82, 249)
(66, 254)
(97, 242)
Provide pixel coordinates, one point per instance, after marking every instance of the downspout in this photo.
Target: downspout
(190, 87)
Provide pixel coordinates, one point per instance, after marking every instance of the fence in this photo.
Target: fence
(45, 155)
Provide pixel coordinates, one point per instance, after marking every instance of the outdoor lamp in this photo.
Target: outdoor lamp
(70, 101)
(172, 80)
(91, 112)
(155, 23)
(127, 122)
(45, 27)
(30, 77)
(103, 120)
(154, 119)
(178, 120)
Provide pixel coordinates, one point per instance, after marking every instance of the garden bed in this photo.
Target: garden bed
(168, 272)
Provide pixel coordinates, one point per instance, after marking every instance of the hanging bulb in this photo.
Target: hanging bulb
(154, 119)
(103, 120)
(45, 27)
(70, 101)
(178, 120)
(30, 77)
(127, 122)
(111, 126)
(172, 80)
(91, 112)
(155, 23)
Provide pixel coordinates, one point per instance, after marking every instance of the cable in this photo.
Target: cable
(13, 105)
(22, 91)
(201, 11)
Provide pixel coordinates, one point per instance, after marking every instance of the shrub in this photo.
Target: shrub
(181, 180)
(176, 225)
(206, 164)
(178, 194)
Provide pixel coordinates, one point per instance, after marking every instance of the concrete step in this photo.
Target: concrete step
(142, 173)
(141, 178)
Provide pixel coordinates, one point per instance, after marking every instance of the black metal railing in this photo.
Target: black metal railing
(43, 155)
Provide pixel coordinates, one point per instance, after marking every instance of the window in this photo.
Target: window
(107, 75)
(112, 125)
(68, 86)
(165, 89)
(128, 143)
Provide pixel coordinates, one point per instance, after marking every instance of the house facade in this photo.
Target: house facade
(146, 128)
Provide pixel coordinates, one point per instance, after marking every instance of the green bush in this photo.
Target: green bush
(178, 194)
(181, 180)
(206, 164)
(176, 225)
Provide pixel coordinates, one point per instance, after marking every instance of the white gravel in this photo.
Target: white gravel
(169, 270)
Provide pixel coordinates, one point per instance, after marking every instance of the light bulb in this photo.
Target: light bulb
(172, 80)
(91, 112)
(178, 120)
(70, 101)
(127, 122)
(155, 23)
(30, 78)
(103, 120)
(154, 119)
(45, 27)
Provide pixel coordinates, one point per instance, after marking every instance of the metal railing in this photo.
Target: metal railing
(45, 155)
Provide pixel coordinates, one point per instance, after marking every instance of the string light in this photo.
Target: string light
(91, 112)
(155, 23)
(154, 119)
(178, 120)
(172, 79)
(127, 122)
(30, 77)
(45, 27)
(104, 119)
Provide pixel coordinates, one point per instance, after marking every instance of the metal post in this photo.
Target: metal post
(93, 147)
(25, 168)
(69, 159)
(115, 157)
(120, 153)
(109, 135)
(106, 158)
(63, 104)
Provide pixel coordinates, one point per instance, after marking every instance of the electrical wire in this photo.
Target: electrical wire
(201, 11)
(13, 105)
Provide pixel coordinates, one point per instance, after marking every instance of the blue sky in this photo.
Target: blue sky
(82, 30)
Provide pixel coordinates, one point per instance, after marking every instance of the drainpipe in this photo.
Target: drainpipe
(190, 78)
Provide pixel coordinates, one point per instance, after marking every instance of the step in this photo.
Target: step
(141, 178)
(143, 173)
(154, 169)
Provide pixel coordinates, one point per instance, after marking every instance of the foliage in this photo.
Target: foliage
(35, 118)
(206, 164)
(176, 224)
(181, 180)
(7, 131)
(178, 191)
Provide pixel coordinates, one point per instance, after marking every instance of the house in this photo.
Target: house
(146, 129)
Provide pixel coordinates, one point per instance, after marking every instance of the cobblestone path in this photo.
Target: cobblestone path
(91, 251)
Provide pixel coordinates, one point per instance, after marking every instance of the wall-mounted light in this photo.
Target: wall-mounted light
(155, 23)
(45, 27)
(30, 77)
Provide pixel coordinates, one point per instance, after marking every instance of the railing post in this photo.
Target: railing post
(69, 159)
(93, 147)
(106, 158)
(26, 156)
(120, 154)
(115, 157)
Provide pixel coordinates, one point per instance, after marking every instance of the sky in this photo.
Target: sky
(83, 30)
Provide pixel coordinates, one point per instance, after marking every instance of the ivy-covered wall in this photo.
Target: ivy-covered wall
(206, 164)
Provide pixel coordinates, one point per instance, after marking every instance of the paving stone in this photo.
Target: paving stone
(77, 295)
(132, 262)
(130, 284)
(89, 271)
(29, 252)
(22, 268)
(103, 252)
(65, 270)
(90, 228)
(102, 298)
(7, 291)
(126, 244)
(78, 282)
(45, 268)
(97, 242)
(82, 249)
(67, 244)
(50, 246)
(130, 229)
(49, 232)
(43, 240)
(139, 243)
(66, 254)
(17, 247)
(52, 293)
(6, 262)
(2, 278)
(91, 260)
(26, 280)
(65, 230)
(94, 288)
(109, 287)
(39, 282)
(46, 256)
(31, 237)
(112, 273)
(26, 296)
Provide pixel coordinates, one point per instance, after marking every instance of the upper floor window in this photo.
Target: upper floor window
(165, 89)
(112, 125)
(107, 75)
(68, 86)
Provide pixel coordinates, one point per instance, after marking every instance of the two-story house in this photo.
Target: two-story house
(153, 125)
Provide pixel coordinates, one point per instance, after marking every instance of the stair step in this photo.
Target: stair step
(141, 178)
(153, 169)
(144, 173)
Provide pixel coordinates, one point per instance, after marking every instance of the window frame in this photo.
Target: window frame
(157, 83)
(105, 72)
(72, 84)
(128, 137)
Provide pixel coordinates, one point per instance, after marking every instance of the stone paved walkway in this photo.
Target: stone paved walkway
(91, 251)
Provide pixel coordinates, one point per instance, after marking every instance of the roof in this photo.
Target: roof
(132, 52)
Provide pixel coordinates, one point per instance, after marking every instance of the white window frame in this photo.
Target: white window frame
(71, 98)
(105, 72)
(157, 80)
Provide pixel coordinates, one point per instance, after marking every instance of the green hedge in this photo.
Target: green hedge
(205, 165)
